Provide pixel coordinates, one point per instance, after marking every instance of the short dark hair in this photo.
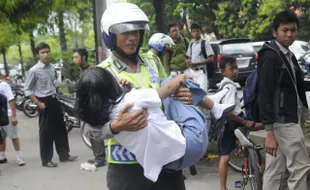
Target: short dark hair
(284, 17)
(195, 26)
(42, 45)
(97, 92)
(170, 26)
(227, 60)
(82, 52)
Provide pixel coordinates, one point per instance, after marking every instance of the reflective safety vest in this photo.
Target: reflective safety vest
(148, 77)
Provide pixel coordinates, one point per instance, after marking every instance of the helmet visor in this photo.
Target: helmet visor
(125, 27)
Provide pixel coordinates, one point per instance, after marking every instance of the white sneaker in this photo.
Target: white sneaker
(20, 162)
(217, 97)
(221, 110)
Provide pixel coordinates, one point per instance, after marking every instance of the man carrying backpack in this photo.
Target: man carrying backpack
(11, 129)
(199, 53)
(280, 96)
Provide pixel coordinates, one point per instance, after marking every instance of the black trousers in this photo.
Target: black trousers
(130, 177)
(98, 149)
(52, 129)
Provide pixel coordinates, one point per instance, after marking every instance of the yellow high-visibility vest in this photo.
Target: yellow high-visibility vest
(148, 77)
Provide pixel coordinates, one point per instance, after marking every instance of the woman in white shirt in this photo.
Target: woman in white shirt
(100, 99)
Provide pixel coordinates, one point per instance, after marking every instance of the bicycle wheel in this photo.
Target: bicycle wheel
(236, 159)
(254, 175)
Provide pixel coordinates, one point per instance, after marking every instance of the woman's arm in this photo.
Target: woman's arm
(172, 86)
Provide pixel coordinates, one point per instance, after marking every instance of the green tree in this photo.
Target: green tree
(6, 41)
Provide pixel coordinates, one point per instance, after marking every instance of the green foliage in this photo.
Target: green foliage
(253, 18)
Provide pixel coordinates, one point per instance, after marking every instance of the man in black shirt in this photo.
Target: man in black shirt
(80, 56)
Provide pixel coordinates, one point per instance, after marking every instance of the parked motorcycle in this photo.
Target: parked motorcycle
(67, 104)
(19, 97)
(29, 108)
(85, 139)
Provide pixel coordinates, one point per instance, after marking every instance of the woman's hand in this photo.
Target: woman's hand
(133, 121)
(126, 83)
(184, 95)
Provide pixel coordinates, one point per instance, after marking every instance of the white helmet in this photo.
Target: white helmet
(161, 42)
(122, 17)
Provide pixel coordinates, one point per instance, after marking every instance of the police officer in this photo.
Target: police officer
(123, 26)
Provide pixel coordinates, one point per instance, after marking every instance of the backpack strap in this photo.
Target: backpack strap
(203, 49)
(191, 51)
(186, 42)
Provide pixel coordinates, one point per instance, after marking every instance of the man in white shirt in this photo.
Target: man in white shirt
(199, 52)
(11, 130)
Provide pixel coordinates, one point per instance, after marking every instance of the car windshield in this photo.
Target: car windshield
(237, 48)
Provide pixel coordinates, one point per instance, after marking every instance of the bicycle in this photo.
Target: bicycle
(251, 169)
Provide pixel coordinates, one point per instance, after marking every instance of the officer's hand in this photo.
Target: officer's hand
(133, 121)
(184, 95)
(271, 144)
(126, 83)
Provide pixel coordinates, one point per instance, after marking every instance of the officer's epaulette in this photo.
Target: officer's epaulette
(118, 65)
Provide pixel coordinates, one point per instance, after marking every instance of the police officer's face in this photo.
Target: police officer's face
(128, 41)
(286, 34)
(44, 55)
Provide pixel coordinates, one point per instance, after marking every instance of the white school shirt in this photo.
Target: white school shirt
(6, 90)
(156, 145)
(232, 95)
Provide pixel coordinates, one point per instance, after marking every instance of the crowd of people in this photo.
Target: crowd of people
(168, 110)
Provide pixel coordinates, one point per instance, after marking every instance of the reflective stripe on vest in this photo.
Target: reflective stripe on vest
(117, 154)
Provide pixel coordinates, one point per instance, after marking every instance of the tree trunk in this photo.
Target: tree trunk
(32, 44)
(159, 18)
(62, 34)
(184, 21)
(82, 18)
(21, 59)
(6, 68)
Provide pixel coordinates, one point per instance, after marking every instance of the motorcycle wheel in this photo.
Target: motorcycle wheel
(84, 138)
(28, 109)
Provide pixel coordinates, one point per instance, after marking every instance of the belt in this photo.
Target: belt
(199, 68)
(48, 97)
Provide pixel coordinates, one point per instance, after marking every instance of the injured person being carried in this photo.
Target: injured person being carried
(174, 139)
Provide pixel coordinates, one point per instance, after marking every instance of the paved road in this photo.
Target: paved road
(68, 176)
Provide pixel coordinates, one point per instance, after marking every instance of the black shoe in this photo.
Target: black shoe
(69, 159)
(50, 165)
(97, 163)
(3, 161)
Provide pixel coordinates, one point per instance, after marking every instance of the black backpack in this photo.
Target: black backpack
(210, 66)
(4, 119)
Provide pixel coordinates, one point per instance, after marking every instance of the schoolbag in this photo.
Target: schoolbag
(250, 98)
(210, 66)
(4, 119)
